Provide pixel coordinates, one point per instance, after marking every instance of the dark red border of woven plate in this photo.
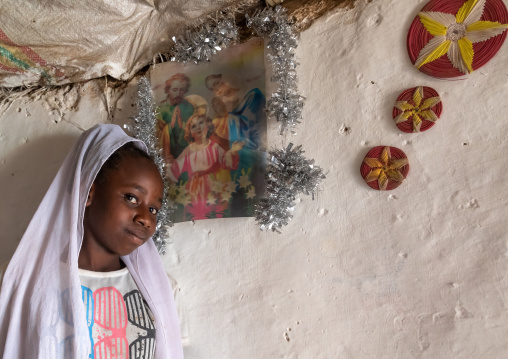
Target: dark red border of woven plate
(375, 152)
(418, 37)
(407, 95)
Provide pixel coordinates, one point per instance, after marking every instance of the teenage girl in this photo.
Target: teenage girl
(86, 280)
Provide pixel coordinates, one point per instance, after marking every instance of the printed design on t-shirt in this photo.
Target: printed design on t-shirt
(53, 347)
(119, 327)
(110, 317)
(87, 296)
(50, 346)
(141, 317)
(65, 307)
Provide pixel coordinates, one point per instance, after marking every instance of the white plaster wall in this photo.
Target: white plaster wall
(418, 272)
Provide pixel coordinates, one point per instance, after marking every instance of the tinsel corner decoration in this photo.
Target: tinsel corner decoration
(201, 43)
(285, 103)
(288, 175)
(417, 109)
(384, 168)
(451, 38)
(143, 128)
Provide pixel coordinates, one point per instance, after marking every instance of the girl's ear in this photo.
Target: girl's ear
(90, 195)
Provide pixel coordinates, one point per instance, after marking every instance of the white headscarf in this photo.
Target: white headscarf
(42, 314)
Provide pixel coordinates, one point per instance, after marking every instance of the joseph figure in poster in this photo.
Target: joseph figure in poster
(174, 112)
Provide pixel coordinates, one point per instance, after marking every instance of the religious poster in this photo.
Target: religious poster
(211, 126)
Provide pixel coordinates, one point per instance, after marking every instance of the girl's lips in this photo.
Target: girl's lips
(137, 235)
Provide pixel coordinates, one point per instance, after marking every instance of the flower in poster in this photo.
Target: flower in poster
(231, 187)
(182, 196)
(454, 35)
(384, 168)
(216, 186)
(172, 190)
(226, 196)
(244, 180)
(211, 199)
(251, 193)
(421, 109)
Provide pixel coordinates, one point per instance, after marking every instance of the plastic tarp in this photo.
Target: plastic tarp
(54, 42)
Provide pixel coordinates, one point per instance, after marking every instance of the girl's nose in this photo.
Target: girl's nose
(143, 217)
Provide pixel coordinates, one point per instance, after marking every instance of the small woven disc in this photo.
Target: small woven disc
(418, 37)
(407, 96)
(384, 162)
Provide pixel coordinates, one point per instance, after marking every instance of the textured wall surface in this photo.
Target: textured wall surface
(418, 272)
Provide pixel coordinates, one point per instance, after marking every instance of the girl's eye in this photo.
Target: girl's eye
(154, 211)
(131, 199)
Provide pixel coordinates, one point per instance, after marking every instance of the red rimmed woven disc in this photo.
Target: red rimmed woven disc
(377, 153)
(407, 95)
(418, 37)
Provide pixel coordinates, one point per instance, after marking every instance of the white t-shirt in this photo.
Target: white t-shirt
(120, 323)
(87, 276)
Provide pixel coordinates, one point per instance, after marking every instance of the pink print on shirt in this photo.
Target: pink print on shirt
(110, 316)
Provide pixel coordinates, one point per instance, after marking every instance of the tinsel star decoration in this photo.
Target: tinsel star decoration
(143, 129)
(285, 103)
(203, 42)
(288, 174)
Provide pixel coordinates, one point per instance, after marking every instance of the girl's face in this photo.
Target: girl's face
(198, 129)
(121, 212)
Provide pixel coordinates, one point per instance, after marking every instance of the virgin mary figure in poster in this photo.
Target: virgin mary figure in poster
(211, 127)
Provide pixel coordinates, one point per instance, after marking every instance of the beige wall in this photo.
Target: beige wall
(419, 272)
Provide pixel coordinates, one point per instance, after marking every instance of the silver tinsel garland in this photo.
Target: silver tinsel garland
(202, 43)
(285, 104)
(143, 129)
(288, 174)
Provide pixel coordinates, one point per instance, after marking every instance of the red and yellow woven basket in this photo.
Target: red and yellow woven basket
(418, 37)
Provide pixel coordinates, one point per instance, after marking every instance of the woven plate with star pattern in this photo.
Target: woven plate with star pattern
(450, 38)
(417, 109)
(384, 168)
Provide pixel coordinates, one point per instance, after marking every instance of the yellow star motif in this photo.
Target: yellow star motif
(454, 35)
(419, 111)
(384, 168)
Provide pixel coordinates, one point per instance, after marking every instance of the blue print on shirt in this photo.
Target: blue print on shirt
(87, 296)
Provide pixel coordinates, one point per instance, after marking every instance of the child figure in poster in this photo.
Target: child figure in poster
(198, 166)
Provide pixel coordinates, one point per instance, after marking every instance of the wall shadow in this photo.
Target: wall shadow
(25, 177)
